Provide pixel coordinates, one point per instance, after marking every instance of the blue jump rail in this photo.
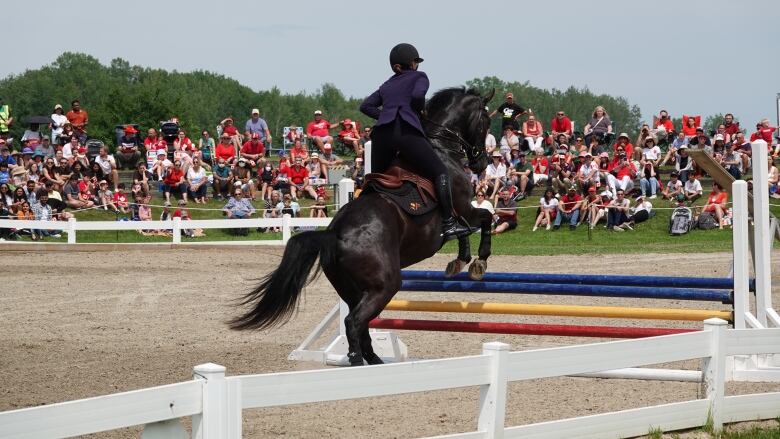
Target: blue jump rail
(462, 286)
(718, 283)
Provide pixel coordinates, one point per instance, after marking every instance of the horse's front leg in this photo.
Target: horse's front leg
(464, 257)
(478, 268)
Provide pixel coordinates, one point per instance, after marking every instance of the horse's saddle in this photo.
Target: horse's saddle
(411, 192)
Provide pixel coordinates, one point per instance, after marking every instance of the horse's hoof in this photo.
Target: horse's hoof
(355, 359)
(373, 359)
(454, 267)
(477, 269)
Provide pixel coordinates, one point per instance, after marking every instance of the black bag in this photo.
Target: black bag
(707, 221)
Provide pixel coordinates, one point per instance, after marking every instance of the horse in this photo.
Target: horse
(371, 239)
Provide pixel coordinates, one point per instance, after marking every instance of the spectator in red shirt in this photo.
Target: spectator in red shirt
(541, 167)
(298, 151)
(184, 143)
(624, 143)
(225, 149)
(299, 180)
(561, 124)
(150, 141)
(569, 209)
(764, 132)
(732, 127)
(716, 203)
(663, 127)
(621, 174)
(174, 181)
(78, 119)
(690, 123)
(254, 151)
(350, 136)
(318, 131)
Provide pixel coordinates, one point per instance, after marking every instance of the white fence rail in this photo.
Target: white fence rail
(216, 402)
(73, 226)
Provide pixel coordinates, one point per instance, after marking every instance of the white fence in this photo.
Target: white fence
(72, 227)
(216, 402)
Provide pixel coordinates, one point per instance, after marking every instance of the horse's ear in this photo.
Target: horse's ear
(488, 97)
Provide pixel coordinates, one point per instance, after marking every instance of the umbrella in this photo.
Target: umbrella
(38, 119)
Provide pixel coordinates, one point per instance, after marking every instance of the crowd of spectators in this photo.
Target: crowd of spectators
(586, 176)
(55, 168)
(592, 175)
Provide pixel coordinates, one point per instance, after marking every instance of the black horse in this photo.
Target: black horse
(368, 242)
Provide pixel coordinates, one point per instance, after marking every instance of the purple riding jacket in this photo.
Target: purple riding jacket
(403, 94)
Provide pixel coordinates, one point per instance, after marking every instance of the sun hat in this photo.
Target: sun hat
(316, 112)
(255, 111)
(496, 154)
(624, 135)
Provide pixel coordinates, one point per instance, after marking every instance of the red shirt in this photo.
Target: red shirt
(230, 130)
(532, 128)
(299, 175)
(714, 198)
(538, 163)
(318, 129)
(284, 165)
(732, 128)
(151, 142)
(567, 203)
(186, 144)
(223, 151)
(348, 133)
(77, 119)
(179, 214)
(764, 134)
(624, 171)
(666, 123)
(120, 199)
(173, 176)
(253, 148)
(628, 148)
(299, 152)
(562, 125)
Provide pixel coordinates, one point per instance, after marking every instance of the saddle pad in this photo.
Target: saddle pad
(407, 197)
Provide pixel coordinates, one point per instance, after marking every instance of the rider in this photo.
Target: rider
(398, 129)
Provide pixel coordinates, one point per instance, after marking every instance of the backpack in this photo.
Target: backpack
(707, 221)
(681, 221)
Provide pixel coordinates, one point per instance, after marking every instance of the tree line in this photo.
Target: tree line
(120, 93)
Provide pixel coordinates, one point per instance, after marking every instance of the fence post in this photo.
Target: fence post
(212, 422)
(714, 370)
(492, 397)
(72, 230)
(176, 231)
(763, 239)
(286, 229)
(346, 191)
(740, 244)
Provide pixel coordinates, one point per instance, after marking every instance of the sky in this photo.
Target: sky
(688, 57)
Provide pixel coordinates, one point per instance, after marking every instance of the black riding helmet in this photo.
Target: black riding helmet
(404, 54)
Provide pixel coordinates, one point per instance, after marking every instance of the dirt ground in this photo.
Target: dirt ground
(93, 323)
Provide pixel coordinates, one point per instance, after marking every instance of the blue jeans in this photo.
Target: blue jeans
(572, 217)
(615, 217)
(649, 185)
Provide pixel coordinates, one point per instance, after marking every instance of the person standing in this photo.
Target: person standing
(257, 125)
(510, 111)
(6, 119)
(78, 119)
(58, 121)
(396, 106)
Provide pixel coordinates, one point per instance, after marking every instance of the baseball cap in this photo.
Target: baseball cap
(103, 182)
(46, 137)
(315, 155)
(27, 151)
(699, 129)
(58, 107)
(572, 188)
(316, 112)
(255, 111)
(495, 154)
(327, 146)
(161, 152)
(719, 137)
(130, 129)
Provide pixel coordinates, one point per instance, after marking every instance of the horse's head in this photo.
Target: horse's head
(461, 116)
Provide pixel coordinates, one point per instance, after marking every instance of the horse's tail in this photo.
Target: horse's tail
(274, 300)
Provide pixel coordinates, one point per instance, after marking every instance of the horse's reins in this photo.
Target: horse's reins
(444, 133)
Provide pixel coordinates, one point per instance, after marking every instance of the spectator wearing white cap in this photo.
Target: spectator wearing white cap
(328, 157)
(318, 173)
(357, 171)
(257, 125)
(253, 150)
(318, 131)
(58, 121)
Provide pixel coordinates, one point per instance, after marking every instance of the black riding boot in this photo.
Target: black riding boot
(450, 227)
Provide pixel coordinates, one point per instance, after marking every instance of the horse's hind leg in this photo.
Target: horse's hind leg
(370, 306)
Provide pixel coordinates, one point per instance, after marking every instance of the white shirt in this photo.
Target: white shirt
(552, 204)
(644, 205)
(494, 171)
(507, 144)
(651, 153)
(490, 142)
(585, 170)
(693, 186)
(196, 176)
(67, 151)
(58, 121)
(106, 164)
(485, 204)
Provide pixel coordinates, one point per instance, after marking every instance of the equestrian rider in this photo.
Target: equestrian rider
(398, 129)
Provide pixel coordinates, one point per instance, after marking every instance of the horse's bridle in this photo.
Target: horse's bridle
(472, 152)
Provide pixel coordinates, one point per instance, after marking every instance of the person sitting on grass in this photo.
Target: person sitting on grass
(597, 206)
(184, 213)
(238, 206)
(288, 206)
(299, 177)
(319, 209)
(716, 204)
(242, 175)
(105, 197)
(642, 210)
(617, 213)
(548, 209)
(569, 209)
(141, 176)
(506, 213)
(174, 181)
(674, 187)
(43, 212)
(692, 189)
(120, 198)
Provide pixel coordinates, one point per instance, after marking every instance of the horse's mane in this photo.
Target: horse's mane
(445, 97)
